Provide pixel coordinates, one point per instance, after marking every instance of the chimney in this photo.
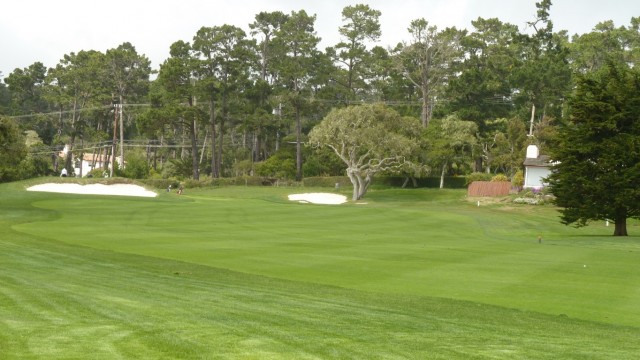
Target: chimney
(532, 152)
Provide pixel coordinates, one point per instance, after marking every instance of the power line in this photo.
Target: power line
(64, 112)
(56, 149)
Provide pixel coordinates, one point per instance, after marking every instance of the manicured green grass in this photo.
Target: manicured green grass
(243, 273)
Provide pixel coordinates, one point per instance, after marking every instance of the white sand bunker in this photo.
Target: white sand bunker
(95, 189)
(319, 198)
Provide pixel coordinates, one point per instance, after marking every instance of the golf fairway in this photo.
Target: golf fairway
(244, 273)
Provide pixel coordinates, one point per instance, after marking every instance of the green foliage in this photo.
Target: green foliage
(137, 166)
(177, 168)
(27, 90)
(428, 62)
(361, 24)
(509, 144)
(97, 173)
(499, 177)
(483, 87)
(243, 168)
(13, 150)
(596, 176)
(451, 182)
(281, 165)
(587, 54)
(322, 162)
(34, 166)
(477, 176)
(451, 141)
(518, 179)
(369, 139)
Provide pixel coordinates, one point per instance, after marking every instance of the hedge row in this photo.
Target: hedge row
(450, 182)
(329, 181)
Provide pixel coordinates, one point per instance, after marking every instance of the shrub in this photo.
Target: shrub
(518, 179)
(98, 173)
(243, 168)
(499, 177)
(178, 168)
(323, 162)
(528, 201)
(277, 167)
(136, 165)
(477, 176)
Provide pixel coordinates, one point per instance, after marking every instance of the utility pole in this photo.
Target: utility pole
(115, 135)
(533, 114)
(119, 112)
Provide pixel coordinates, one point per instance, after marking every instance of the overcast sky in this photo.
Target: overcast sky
(46, 30)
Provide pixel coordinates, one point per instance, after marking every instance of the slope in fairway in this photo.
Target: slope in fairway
(418, 275)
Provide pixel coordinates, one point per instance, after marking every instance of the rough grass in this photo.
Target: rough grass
(243, 273)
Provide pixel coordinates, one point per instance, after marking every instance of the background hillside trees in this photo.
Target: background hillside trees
(297, 41)
(228, 100)
(429, 61)
(361, 26)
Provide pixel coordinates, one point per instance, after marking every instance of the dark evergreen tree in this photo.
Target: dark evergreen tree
(598, 154)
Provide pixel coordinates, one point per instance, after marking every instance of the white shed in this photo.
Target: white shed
(536, 168)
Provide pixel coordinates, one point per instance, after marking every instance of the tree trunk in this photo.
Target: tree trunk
(425, 114)
(360, 185)
(223, 118)
(114, 142)
(212, 118)
(444, 169)
(621, 226)
(204, 146)
(298, 146)
(355, 184)
(194, 150)
(81, 155)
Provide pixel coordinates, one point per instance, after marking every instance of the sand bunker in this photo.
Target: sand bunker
(95, 189)
(319, 198)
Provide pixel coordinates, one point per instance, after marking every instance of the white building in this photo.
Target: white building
(88, 162)
(536, 168)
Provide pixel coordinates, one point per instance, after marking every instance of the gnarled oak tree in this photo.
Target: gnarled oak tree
(369, 139)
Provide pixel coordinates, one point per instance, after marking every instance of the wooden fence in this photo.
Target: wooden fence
(489, 188)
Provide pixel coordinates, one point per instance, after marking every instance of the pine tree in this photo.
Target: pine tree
(598, 154)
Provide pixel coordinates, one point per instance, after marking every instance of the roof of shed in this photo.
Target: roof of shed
(542, 161)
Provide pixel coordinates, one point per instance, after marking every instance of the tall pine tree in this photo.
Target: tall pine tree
(598, 153)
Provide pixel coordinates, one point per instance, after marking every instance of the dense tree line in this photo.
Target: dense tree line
(228, 103)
